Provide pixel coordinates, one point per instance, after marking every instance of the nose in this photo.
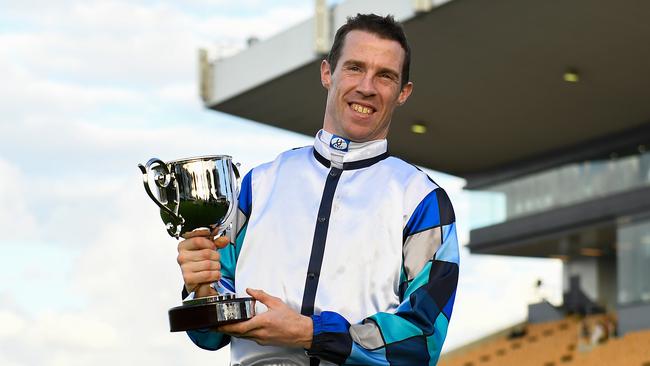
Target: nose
(366, 86)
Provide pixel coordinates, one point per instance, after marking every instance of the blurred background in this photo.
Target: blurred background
(510, 104)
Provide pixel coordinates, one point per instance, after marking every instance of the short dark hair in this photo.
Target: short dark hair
(384, 27)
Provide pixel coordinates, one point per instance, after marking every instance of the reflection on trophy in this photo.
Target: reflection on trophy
(198, 193)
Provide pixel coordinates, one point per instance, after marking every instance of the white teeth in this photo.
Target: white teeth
(361, 109)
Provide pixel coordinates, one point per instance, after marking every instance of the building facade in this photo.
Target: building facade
(543, 104)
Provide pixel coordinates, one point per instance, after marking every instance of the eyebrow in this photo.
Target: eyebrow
(381, 70)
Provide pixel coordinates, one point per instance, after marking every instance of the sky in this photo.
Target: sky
(89, 89)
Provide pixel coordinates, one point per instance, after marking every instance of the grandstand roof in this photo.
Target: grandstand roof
(488, 80)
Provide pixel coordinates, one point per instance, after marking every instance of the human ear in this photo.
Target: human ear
(325, 74)
(405, 93)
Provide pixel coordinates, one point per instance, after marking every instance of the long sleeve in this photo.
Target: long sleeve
(209, 339)
(415, 332)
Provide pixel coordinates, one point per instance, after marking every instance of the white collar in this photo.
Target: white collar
(339, 150)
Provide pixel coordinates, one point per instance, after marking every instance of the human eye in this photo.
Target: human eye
(388, 76)
(353, 67)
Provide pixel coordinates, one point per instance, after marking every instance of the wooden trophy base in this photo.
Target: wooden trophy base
(210, 312)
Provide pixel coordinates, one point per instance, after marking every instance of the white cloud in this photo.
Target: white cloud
(26, 94)
(12, 324)
(126, 42)
(16, 218)
(84, 331)
(182, 93)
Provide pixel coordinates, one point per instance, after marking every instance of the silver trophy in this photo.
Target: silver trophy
(198, 193)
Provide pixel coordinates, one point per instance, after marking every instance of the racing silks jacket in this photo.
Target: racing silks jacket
(361, 241)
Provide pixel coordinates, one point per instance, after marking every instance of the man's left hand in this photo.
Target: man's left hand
(279, 326)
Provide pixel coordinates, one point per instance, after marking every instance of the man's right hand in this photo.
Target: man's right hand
(199, 261)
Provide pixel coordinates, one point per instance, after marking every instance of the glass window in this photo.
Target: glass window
(633, 241)
(572, 183)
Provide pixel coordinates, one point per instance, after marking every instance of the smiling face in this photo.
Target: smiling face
(365, 87)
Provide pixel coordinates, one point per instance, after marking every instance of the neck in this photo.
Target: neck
(338, 149)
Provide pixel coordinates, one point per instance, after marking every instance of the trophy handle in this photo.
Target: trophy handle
(231, 218)
(235, 168)
(163, 181)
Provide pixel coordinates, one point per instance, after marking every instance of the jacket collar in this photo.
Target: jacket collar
(335, 151)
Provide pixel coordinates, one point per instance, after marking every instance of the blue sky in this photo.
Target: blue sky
(88, 90)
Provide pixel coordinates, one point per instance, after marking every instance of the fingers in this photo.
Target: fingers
(192, 279)
(199, 259)
(203, 291)
(199, 262)
(241, 329)
(196, 233)
(199, 255)
(195, 243)
(264, 298)
(201, 266)
(198, 273)
(201, 242)
(221, 242)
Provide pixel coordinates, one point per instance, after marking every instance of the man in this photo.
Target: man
(353, 252)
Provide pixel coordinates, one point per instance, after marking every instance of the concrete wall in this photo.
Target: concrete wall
(263, 61)
(597, 278)
(633, 317)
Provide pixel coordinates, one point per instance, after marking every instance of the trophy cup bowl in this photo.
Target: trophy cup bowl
(198, 193)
